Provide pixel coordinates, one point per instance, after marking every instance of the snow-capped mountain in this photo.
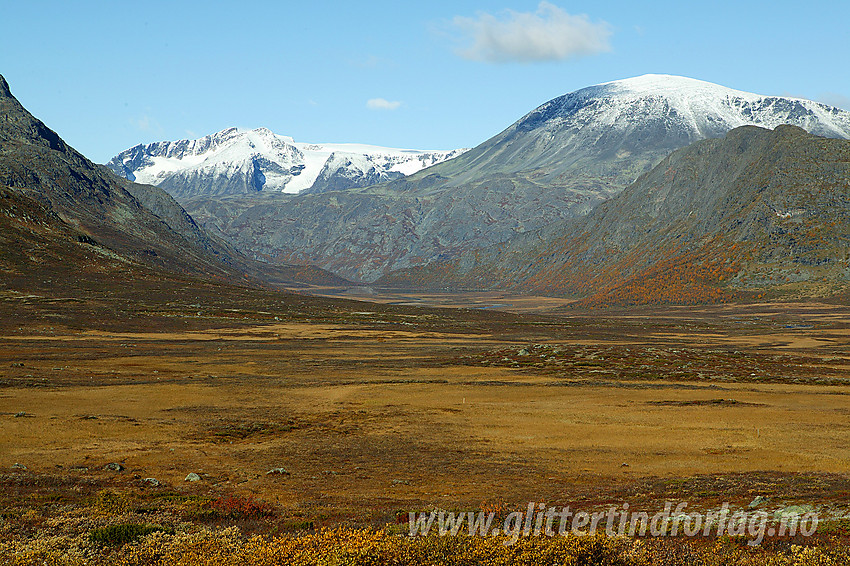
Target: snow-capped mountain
(237, 161)
(556, 162)
(702, 109)
(622, 128)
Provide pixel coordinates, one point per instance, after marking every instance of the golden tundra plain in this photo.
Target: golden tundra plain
(341, 410)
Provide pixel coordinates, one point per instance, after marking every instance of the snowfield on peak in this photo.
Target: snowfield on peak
(697, 109)
(239, 161)
(701, 101)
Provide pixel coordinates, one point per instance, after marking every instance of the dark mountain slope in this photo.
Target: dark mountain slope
(35, 160)
(136, 223)
(756, 211)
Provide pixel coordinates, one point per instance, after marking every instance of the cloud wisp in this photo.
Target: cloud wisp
(382, 104)
(547, 34)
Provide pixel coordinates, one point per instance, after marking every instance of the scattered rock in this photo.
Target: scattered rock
(17, 466)
(792, 510)
(278, 471)
(21, 414)
(192, 477)
(79, 469)
(759, 500)
(114, 467)
(523, 352)
(401, 482)
(17, 365)
(151, 481)
(624, 465)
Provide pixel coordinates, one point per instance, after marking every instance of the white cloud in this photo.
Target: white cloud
(547, 34)
(835, 99)
(382, 104)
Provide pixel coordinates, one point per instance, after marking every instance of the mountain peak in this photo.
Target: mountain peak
(668, 84)
(4, 87)
(691, 109)
(246, 161)
(263, 131)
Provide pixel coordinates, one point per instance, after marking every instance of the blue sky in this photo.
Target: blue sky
(425, 75)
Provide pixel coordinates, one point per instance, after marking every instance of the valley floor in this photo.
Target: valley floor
(367, 410)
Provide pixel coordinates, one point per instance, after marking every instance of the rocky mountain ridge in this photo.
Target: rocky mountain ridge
(236, 161)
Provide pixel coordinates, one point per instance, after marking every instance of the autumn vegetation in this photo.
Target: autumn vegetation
(74, 535)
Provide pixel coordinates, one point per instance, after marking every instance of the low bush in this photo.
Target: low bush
(116, 535)
(235, 507)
